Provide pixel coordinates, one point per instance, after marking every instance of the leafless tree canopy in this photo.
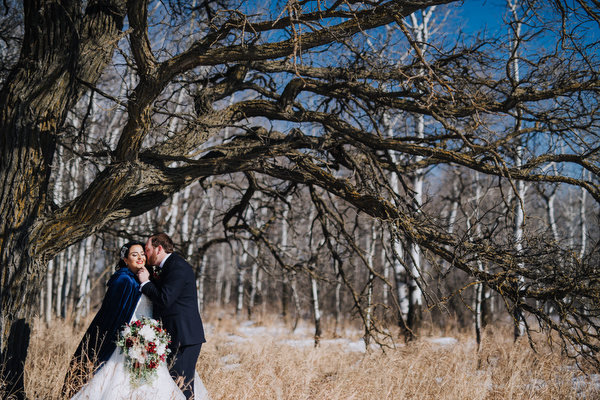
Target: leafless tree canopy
(335, 109)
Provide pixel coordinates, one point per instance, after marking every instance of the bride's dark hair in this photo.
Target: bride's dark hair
(125, 253)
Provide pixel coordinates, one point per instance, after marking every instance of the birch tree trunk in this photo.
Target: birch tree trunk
(60, 283)
(286, 289)
(254, 282)
(200, 281)
(479, 287)
(519, 218)
(220, 278)
(204, 262)
(240, 292)
(315, 304)
(48, 293)
(400, 275)
(83, 279)
(296, 297)
(242, 265)
(371, 242)
(583, 222)
(421, 32)
(337, 299)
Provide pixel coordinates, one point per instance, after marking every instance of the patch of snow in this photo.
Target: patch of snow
(443, 341)
(253, 331)
(230, 358)
(232, 367)
(357, 347)
(586, 383)
(298, 343)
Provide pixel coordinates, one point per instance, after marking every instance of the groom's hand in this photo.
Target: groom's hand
(143, 275)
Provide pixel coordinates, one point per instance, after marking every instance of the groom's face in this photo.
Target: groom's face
(151, 253)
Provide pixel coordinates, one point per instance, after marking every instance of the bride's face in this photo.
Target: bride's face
(136, 258)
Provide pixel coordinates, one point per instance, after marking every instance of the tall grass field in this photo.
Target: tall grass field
(267, 360)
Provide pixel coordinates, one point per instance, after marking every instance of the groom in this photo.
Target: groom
(174, 295)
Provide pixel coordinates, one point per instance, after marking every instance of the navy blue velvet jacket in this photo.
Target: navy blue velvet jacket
(118, 306)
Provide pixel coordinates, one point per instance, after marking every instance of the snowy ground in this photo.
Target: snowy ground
(302, 337)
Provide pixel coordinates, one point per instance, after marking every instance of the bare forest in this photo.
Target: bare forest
(391, 164)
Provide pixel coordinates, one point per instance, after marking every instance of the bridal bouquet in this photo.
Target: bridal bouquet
(144, 343)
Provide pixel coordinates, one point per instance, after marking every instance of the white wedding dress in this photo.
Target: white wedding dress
(111, 382)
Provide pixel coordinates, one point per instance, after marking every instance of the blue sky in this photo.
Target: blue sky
(479, 14)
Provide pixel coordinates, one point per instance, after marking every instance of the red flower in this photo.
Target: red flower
(151, 347)
(129, 342)
(152, 365)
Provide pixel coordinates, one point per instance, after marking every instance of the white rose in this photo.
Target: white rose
(161, 348)
(137, 354)
(147, 332)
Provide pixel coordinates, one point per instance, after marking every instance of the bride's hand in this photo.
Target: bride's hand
(143, 275)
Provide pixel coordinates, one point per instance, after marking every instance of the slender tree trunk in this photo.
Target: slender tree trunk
(60, 283)
(386, 275)
(337, 300)
(519, 219)
(400, 273)
(315, 304)
(240, 293)
(401, 287)
(253, 288)
(286, 289)
(421, 32)
(479, 287)
(519, 222)
(171, 219)
(201, 279)
(228, 291)
(296, 297)
(583, 222)
(478, 309)
(371, 241)
(220, 280)
(242, 264)
(552, 216)
(285, 298)
(48, 293)
(83, 281)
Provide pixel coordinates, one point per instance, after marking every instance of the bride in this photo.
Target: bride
(97, 352)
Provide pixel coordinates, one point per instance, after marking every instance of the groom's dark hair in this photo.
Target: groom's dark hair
(162, 239)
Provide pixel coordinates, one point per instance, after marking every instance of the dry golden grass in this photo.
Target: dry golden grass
(270, 364)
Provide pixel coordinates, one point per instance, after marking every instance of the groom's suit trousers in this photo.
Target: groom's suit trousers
(184, 365)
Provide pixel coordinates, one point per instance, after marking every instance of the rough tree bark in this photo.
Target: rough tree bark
(63, 47)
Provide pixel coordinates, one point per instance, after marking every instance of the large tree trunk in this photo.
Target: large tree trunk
(60, 47)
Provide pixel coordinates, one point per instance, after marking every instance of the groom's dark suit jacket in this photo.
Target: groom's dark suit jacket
(175, 299)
